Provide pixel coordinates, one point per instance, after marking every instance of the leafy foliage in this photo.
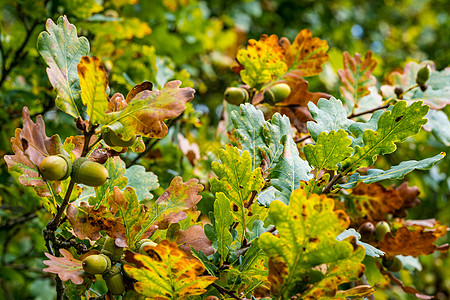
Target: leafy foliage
(278, 203)
(166, 261)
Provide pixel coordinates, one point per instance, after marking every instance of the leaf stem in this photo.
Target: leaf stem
(330, 184)
(353, 115)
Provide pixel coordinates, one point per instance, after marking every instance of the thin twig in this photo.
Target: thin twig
(224, 291)
(302, 139)
(330, 184)
(368, 112)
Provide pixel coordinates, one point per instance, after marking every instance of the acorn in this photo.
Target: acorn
(393, 265)
(269, 97)
(55, 167)
(381, 229)
(88, 172)
(366, 230)
(280, 91)
(111, 250)
(114, 281)
(423, 75)
(143, 243)
(235, 95)
(113, 139)
(96, 264)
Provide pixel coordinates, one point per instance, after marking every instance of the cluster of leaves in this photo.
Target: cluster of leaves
(282, 216)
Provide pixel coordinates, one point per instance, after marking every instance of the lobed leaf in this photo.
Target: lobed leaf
(370, 250)
(396, 172)
(307, 54)
(328, 115)
(305, 258)
(330, 149)
(236, 182)
(166, 273)
(223, 219)
(141, 181)
(393, 126)
(67, 267)
(145, 113)
(93, 84)
(262, 61)
(30, 146)
(62, 51)
(357, 78)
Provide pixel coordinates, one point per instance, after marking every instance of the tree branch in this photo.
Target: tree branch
(224, 291)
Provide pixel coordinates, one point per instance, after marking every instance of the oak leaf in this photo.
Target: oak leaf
(30, 146)
(357, 78)
(62, 50)
(414, 241)
(263, 61)
(67, 267)
(93, 84)
(145, 113)
(162, 262)
(194, 236)
(307, 54)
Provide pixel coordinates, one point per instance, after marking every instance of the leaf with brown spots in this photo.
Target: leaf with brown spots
(67, 267)
(30, 146)
(357, 78)
(307, 54)
(145, 86)
(236, 182)
(145, 113)
(414, 240)
(162, 262)
(300, 96)
(93, 84)
(263, 61)
(305, 252)
(62, 50)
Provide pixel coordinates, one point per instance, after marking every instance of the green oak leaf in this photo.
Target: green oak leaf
(305, 258)
(328, 115)
(290, 170)
(358, 128)
(396, 172)
(330, 149)
(141, 181)
(393, 126)
(439, 125)
(62, 50)
(236, 182)
(249, 124)
(223, 220)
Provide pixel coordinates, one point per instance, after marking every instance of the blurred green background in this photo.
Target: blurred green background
(196, 42)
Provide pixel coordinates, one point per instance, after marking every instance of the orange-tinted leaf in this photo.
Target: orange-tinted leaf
(356, 77)
(162, 262)
(93, 84)
(145, 86)
(372, 202)
(179, 198)
(146, 112)
(357, 291)
(409, 196)
(67, 267)
(194, 237)
(307, 54)
(116, 103)
(262, 60)
(30, 146)
(191, 151)
(414, 241)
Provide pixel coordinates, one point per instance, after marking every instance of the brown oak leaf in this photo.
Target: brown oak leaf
(414, 241)
(194, 237)
(67, 267)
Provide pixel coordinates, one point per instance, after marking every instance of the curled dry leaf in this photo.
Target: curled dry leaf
(67, 267)
(194, 237)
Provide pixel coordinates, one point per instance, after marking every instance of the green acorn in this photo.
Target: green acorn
(280, 91)
(96, 264)
(114, 281)
(235, 95)
(381, 229)
(111, 250)
(88, 172)
(423, 75)
(55, 167)
(393, 265)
